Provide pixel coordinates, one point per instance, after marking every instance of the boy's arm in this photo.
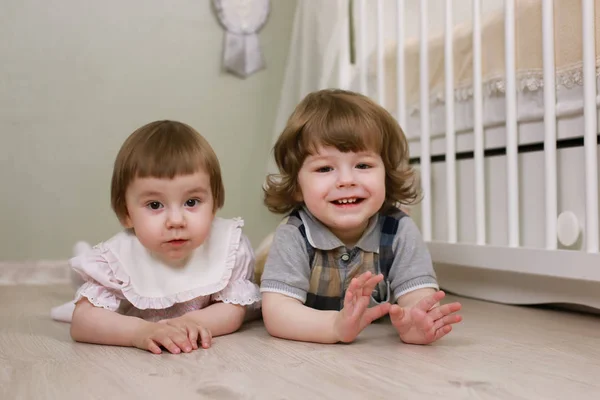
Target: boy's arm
(285, 282)
(418, 316)
(411, 275)
(288, 318)
(410, 299)
(287, 271)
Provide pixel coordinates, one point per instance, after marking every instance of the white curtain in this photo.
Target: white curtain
(318, 56)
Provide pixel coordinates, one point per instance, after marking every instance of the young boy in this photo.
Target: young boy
(346, 255)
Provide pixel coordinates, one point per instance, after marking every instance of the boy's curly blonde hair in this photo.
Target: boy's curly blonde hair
(164, 149)
(347, 121)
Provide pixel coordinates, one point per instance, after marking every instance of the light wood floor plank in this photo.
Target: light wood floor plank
(498, 352)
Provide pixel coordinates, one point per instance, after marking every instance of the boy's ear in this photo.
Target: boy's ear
(298, 196)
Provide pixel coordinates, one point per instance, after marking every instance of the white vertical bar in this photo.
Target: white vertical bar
(380, 70)
(450, 132)
(344, 55)
(478, 127)
(425, 152)
(362, 49)
(549, 123)
(590, 140)
(511, 126)
(400, 87)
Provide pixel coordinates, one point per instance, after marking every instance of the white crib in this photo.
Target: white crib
(507, 150)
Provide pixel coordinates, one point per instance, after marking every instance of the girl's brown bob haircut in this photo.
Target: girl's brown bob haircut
(164, 149)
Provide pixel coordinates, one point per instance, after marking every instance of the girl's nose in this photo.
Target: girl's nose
(175, 219)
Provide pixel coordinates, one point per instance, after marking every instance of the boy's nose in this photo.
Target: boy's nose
(345, 178)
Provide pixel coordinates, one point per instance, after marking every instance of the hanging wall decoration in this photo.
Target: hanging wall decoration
(242, 20)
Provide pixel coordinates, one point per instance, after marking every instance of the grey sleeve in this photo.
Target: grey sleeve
(286, 270)
(412, 267)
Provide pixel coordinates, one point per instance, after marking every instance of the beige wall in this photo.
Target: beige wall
(76, 78)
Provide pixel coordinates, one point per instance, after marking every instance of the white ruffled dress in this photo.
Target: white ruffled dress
(121, 275)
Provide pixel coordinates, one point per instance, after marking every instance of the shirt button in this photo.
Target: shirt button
(345, 257)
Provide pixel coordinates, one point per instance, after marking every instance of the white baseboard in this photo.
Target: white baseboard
(509, 287)
(35, 272)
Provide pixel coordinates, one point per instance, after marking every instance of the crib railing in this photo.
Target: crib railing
(512, 142)
(591, 162)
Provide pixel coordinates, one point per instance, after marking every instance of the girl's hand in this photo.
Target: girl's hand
(356, 315)
(191, 329)
(425, 322)
(153, 335)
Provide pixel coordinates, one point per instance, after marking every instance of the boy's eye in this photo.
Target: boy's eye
(363, 166)
(324, 169)
(154, 205)
(192, 202)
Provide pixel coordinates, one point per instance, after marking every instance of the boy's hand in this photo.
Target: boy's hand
(192, 330)
(153, 335)
(426, 321)
(356, 315)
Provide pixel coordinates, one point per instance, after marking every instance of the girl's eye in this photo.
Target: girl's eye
(192, 202)
(154, 205)
(363, 166)
(324, 169)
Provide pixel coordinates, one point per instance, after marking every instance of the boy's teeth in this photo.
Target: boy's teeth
(345, 201)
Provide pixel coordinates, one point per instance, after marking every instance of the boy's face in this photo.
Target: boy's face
(171, 217)
(343, 190)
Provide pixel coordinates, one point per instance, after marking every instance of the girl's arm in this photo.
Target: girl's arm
(219, 318)
(97, 325)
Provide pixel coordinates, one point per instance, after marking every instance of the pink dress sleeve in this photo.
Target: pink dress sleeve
(101, 287)
(241, 289)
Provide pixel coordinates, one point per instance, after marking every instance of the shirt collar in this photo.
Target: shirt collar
(320, 237)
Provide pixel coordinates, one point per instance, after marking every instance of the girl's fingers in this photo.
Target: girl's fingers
(153, 347)
(168, 344)
(205, 337)
(193, 336)
(182, 341)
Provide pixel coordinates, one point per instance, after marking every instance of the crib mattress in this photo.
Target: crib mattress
(529, 56)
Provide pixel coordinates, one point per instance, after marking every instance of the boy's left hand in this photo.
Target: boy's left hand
(426, 321)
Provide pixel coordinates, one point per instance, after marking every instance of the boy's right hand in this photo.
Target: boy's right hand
(356, 315)
(153, 335)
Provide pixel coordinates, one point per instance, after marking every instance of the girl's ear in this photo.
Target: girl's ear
(126, 222)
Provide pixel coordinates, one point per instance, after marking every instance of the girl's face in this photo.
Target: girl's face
(170, 217)
(343, 190)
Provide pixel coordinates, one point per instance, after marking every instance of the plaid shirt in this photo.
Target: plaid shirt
(331, 271)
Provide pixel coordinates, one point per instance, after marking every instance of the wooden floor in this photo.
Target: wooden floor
(498, 352)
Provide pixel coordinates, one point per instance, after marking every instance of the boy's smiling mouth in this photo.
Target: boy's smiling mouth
(347, 201)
